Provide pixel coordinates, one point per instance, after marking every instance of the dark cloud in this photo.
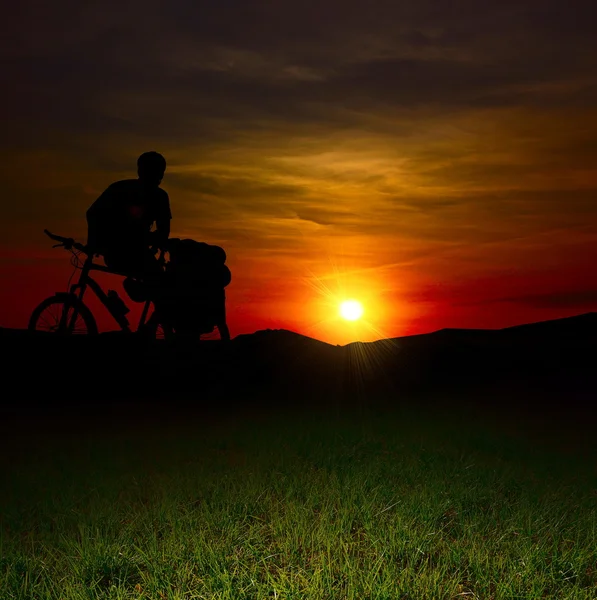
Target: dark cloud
(246, 61)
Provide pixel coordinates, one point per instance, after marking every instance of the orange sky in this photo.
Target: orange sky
(443, 171)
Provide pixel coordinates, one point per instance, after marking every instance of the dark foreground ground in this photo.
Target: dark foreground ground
(459, 464)
(542, 377)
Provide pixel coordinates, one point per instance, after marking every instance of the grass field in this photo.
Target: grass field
(291, 508)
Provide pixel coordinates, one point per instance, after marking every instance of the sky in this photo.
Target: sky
(435, 160)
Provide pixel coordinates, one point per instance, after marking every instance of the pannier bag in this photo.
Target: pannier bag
(195, 278)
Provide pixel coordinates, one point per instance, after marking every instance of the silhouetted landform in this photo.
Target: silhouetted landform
(548, 367)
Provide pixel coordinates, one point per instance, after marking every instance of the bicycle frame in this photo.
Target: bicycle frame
(85, 280)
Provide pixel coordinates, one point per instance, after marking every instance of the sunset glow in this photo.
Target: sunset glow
(443, 173)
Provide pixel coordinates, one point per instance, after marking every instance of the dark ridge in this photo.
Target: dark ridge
(582, 325)
(278, 334)
(545, 368)
(585, 324)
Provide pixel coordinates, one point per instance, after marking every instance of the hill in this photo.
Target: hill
(543, 364)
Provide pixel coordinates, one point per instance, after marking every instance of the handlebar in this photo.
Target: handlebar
(67, 243)
(70, 243)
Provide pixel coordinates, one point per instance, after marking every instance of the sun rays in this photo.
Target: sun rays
(343, 307)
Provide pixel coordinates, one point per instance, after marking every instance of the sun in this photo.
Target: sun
(351, 310)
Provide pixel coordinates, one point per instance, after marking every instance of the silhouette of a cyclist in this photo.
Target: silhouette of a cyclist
(120, 220)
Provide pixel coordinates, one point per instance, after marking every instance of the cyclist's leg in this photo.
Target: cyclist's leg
(133, 261)
(122, 261)
(155, 280)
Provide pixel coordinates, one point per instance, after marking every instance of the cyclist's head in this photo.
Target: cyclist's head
(151, 167)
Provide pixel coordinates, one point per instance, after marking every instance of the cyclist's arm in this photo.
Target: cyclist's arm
(162, 223)
(163, 229)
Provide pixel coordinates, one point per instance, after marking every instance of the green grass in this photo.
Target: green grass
(299, 508)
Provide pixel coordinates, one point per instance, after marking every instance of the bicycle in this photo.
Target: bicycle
(65, 312)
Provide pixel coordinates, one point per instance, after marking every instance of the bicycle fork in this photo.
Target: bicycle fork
(66, 326)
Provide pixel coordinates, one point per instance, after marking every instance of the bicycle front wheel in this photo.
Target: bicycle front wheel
(63, 314)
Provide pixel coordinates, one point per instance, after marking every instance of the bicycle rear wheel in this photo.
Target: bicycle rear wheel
(219, 333)
(63, 314)
(156, 329)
